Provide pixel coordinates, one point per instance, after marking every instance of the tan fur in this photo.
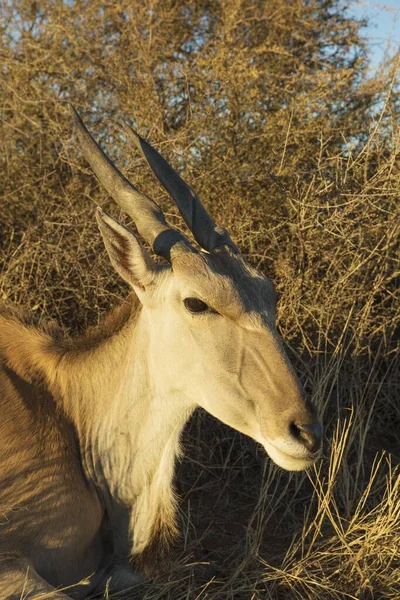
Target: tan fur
(40, 467)
(51, 517)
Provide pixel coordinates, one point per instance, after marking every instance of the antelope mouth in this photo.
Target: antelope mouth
(290, 461)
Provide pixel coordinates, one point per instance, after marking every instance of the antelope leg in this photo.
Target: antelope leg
(19, 581)
(121, 580)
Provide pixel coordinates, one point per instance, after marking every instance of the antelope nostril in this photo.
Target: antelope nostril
(310, 435)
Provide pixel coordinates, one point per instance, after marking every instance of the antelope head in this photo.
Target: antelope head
(212, 315)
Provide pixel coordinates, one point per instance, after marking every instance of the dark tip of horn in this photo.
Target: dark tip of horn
(132, 133)
(74, 113)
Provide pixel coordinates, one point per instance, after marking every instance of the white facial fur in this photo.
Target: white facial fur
(231, 361)
(228, 358)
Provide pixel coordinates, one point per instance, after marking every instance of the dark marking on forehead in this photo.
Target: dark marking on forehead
(226, 282)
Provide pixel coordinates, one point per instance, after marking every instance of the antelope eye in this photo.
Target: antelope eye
(194, 305)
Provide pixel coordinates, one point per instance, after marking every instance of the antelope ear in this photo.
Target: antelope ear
(126, 253)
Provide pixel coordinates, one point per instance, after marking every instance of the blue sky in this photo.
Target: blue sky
(383, 31)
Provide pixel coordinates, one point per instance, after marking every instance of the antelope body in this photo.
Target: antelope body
(89, 429)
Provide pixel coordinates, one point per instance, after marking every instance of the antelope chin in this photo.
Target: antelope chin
(289, 462)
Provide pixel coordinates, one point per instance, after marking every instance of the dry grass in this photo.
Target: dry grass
(308, 185)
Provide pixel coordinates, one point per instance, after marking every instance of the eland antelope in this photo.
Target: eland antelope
(90, 428)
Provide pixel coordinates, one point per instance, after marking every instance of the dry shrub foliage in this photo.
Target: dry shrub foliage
(267, 109)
